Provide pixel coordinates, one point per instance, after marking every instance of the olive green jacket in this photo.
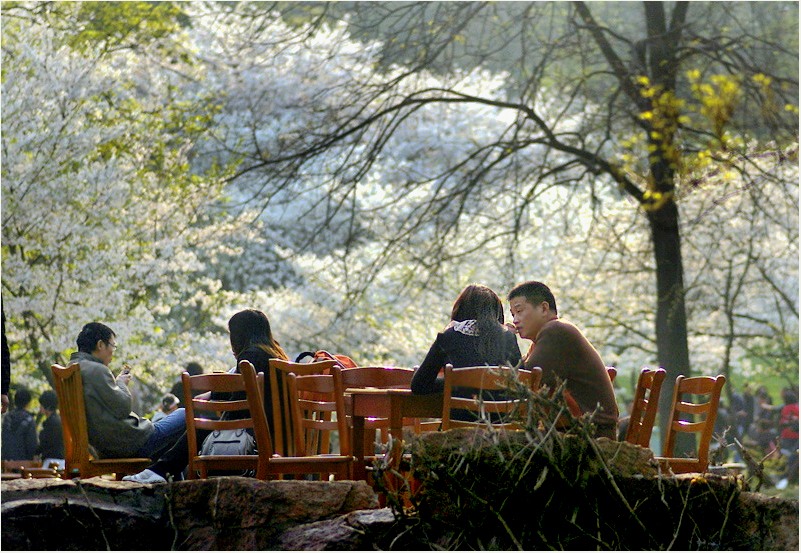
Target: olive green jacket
(114, 430)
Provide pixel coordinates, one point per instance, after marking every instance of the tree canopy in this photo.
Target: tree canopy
(349, 167)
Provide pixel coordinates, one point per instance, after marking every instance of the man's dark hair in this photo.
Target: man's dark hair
(49, 400)
(194, 368)
(534, 292)
(91, 333)
(22, 397)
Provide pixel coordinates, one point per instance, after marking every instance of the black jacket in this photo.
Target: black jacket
(51, 439)
(461, 350)
(19, 435)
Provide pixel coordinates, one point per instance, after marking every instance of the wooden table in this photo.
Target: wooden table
(393, 404)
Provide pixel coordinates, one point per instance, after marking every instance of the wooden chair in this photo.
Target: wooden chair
(612, 372)
(341, 466)
(484, 379)
(318, 409)
(645, 406)
(266, 463)
(707, 410)
(78, 459)
(197, 417)
(281, 404)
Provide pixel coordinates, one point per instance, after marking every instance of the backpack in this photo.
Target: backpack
(229, 442)
(321, 355)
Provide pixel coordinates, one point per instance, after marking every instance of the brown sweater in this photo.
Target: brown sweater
(561, 350)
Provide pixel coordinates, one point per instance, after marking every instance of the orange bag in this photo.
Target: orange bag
(344, 361)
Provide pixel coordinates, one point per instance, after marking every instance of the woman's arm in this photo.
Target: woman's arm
(425, 379)
(514, 356)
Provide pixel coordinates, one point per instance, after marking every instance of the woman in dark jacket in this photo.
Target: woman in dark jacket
(475, 336)
(251, 340)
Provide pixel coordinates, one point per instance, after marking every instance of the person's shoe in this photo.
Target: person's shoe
(147, 476)
(781, 484)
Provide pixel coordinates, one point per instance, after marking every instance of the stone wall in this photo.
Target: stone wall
(476, 490)
(230, 513)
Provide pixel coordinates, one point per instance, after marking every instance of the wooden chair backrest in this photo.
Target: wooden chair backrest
(315, 398)
(706, 410)
(197, 410)
(375, 377)
(612, 372)
(69, 390)
(485, 379)
(645, 406)
(254, 390)
(284, 428)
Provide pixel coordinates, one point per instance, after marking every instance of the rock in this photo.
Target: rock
(219, 513)
(242, 513)
(477, 490)
(92, 514)
(357, 531)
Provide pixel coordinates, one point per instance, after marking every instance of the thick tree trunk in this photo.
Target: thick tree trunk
(671, 317)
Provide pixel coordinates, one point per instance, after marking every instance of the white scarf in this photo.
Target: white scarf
(467, 327)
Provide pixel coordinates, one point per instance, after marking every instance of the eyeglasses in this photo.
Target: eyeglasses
(112, 345)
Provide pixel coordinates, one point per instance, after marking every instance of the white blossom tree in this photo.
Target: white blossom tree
(102, 218)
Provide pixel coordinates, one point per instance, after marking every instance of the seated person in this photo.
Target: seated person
(51, 437)
(251, 340)
(114, 430)
(563, 352)
(475, 336)
(169, 403)
(193, 369)
(19, 429)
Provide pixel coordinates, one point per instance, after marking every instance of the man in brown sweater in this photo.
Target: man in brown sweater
(561, 350)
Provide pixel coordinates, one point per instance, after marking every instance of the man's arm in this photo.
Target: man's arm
(116, 398)
(547, 354)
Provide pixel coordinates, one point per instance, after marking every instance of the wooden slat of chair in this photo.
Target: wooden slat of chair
(708, 410)
(30, 468)
(645, 406)
(536, 378)
(485, 379)
(280, 400)
(271, 465)
(315, 399)
(78, 460)
(198, 408)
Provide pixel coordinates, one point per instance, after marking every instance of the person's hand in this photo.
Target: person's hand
(5, 402)
(125, 376)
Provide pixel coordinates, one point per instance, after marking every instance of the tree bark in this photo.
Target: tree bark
(671, 316)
